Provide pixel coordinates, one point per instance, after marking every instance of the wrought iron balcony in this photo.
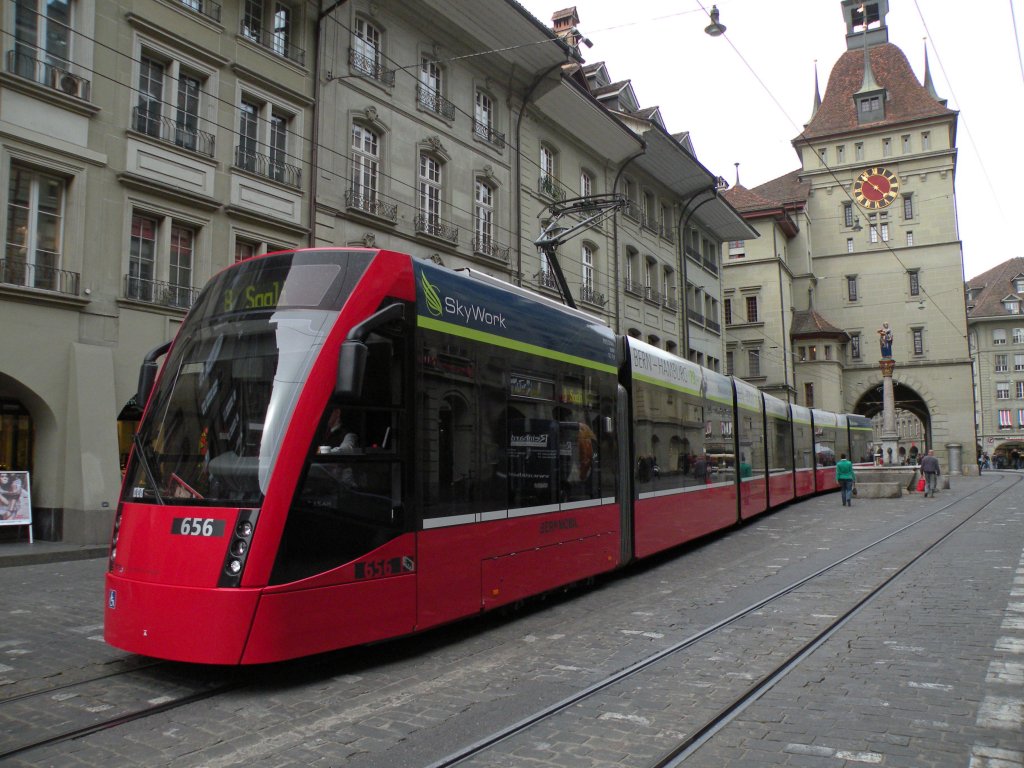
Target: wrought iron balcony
(589, 295)
(667, 233)
(547, 185)
(712, 325)
(488, 134)
(651, 294)
(171, 131)
(27, 65)
(425, 224)
(632, 287)
(695, 316)
(546, 279)
(269, 168)
(155, 292)
(275, 42)
(711, 265)
(670, 302)
(632, 211)
(692, 252)
(21, 273)
(369, 202)
(432, 101)
(486, 246)
(370, 67)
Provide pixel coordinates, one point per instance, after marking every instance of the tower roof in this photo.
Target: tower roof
(906, 99)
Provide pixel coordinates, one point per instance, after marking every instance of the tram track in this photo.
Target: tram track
(79, 708)
(726, 713)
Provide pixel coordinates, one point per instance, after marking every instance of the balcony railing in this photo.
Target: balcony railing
(670, 302)
(546, 279)
(264, 166)
(425, 224)
(486, 246)
(275, 42)
(432, 101)
(370, 203)
(591, 296)
(207, 8)
(649, 222)
(632, 211)
(547, 185)
(712, 325)
(21, 273)
(370, 67)
(155, 292)
(711, 265)
(695, 316)
(667, 233)
(26, 64)
(651, 294)
(171, 131)
(488, 134)
(632, 287)
(692, 252)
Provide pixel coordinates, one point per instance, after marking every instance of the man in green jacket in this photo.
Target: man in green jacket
(846, 478)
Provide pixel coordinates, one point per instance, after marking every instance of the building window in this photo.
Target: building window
(915, 283)
(245, 249)
(910, 238)
(1018, 285)
(998, 336)
(177, 242)
(849, 245)
(587, 275)
(365, 165)
(1019, 386)
(35, 228)
(841, 153)
(858, 151)
(823, 155)
(1000, 363)
(1005, 419)
(918, 338)
(754, 362)
(168, 104)
(42, 38)
(886, 147)
(484, 120)
(848, 214)
(908, 205)
(271, 25)
(926, 141)
(586, 184)
(1011, 305)
(429, 199)
(855, 346)
(851, 287)
(905, 144)
(1018, 335)
(367, 56)
(812, 352)
(264, 141)
(828, 351)
(751, 309)
(483, 216)
(730, 362)
(1002, 390)
(809, 394)
(728, 311)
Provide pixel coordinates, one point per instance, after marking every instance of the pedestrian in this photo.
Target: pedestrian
(846, 477)
(930, 469)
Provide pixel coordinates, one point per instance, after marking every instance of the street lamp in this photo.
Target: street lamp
(714, 28)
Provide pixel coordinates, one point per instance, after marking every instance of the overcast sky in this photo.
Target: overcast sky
(744, 96)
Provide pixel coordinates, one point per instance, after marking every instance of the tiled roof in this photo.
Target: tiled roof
(786, 190)
(906, 98)
(811, 323)
(746, 201)
(990, 288)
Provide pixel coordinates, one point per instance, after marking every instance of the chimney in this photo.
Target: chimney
(565, 23)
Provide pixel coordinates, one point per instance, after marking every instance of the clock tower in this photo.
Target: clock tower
(877, 240)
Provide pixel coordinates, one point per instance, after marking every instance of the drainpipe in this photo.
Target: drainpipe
(684, 220)
(518, 186)
(615, 237)
(314, 159)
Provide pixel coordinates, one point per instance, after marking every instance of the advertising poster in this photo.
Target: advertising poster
(15, 498)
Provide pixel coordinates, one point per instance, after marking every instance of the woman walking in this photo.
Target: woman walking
(846, 478)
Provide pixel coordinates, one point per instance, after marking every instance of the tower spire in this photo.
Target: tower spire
(817, 92)
(928, 83)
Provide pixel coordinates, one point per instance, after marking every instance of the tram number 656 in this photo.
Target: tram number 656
(197, 526)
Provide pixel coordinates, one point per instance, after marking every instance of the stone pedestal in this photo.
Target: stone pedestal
(890, 438)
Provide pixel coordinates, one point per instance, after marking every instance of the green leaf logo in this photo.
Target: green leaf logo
(432, 297)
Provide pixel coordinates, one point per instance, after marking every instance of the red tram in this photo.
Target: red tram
(348, 445)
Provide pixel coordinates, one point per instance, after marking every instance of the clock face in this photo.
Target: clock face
(876, 188)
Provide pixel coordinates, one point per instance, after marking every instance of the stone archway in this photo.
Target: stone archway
(907, 400)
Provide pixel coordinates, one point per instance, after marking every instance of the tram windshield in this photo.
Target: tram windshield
(228, 389)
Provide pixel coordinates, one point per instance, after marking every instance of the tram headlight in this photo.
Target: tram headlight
(238, 548)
